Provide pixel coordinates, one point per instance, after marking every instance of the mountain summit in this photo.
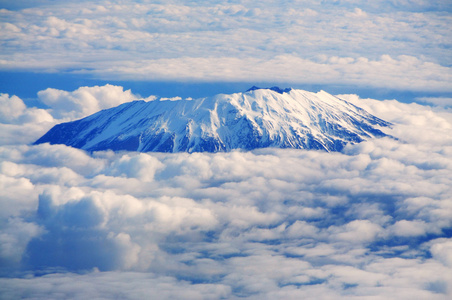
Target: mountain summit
(257, 118)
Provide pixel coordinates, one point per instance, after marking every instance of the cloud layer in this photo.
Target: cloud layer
(371, 222)
(403, 45)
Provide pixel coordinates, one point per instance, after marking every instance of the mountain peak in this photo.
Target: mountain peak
(274, 88)
(246, 121)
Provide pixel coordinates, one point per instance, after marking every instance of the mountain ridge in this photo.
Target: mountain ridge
(257, 118)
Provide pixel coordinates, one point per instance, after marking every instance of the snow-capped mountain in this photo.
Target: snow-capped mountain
(257, 118)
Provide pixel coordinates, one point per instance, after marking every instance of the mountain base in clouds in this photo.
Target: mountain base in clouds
(258, 118)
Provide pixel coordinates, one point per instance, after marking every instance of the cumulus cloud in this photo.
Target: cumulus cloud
(12, 107)
(390, 44)
(441, 250)
(84, 101)
(371, 221)
(19, 123)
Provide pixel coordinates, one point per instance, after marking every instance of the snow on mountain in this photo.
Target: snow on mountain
(257, 118)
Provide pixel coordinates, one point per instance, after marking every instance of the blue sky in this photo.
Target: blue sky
(371, 222)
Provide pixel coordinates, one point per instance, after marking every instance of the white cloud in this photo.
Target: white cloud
(84, 101)
(17, 195)
(140, 166)
(21, 124)
(357, 231)
(128, 250)
(439, 101)
(442, 251)
(409, 228)
(11, 108)
(399, 73)
(108, 285)
(417, 124)
(14, 111)
(13, 240)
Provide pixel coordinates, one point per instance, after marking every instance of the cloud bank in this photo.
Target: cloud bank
(371, 222)
(402, 45)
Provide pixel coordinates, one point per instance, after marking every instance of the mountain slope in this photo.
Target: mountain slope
(258, 118)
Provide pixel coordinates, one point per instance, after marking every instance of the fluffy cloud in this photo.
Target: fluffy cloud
(12, 108)
(389, 44)
(19, 123)
(84, 101)
(372, 221)
(441, 250)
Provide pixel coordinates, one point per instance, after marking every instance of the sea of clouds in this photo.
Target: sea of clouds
(395, 44)
(371, 222)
